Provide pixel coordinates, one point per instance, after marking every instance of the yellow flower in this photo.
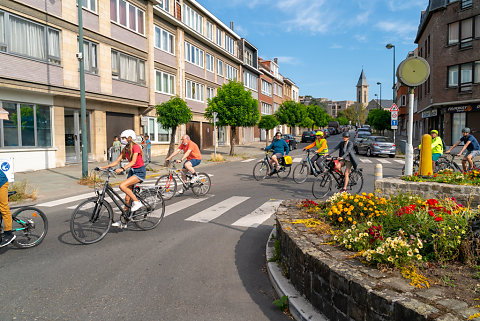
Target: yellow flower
(354, 222)
(419, 257)
(364, 194)
(349, 219)
(351, 197)
(365, 209)
(340, 219)
(330, 213)
(370, 195)
(361, 214)
(356, 200)
(360, 204)
(390, 259)
(369, 223)
(410, 253)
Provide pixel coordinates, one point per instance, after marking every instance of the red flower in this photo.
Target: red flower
(431, 213)
(438, 219)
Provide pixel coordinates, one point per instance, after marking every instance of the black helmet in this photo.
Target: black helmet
(346, 134)
(466, 130)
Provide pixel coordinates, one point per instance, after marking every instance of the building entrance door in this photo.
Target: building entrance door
(73, 135)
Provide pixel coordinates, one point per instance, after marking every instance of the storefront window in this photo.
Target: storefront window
(44, 132)
(459, 121)
(27, 125)
(163, 134)
(10, 129)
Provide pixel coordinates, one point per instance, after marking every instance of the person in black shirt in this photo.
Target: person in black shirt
(346, 158)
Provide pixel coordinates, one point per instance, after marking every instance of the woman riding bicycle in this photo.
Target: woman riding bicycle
(346, 158)
(137, 171)
(280, 148)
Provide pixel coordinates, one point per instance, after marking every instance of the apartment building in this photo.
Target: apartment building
(334, 107)
(449, 39)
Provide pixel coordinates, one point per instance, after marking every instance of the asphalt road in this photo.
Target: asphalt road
(185, 269)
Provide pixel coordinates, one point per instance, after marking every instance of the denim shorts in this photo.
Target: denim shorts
(140, 173)
(194, 162)
(472, 152)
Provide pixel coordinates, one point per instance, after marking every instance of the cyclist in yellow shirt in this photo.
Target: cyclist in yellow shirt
(322, 148)
(437, 147)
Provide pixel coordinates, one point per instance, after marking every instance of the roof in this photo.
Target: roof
(362, 81)
(433, 5)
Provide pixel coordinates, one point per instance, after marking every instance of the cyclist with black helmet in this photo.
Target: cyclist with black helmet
(346, 158)
(471, 145)
(322, 148)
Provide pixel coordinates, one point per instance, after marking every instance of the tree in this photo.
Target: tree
(235, 107)
(268, 122)
(356, 113)
(291, 113)
(307, 123)
(342, 120)
(318, 115)
(171, 114)
(379, 119)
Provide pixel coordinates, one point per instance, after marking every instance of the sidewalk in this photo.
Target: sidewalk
(63, 181)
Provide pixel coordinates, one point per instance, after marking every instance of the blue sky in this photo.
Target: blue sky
(323, 44)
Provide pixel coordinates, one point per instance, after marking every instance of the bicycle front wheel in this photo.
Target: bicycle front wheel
(322, 185)
(168, 184)
(355, 182)
(151, 214)
(90, 221)
(30, 226)
(300, 173)
(202, 186)
(260, 170)
(284, 171)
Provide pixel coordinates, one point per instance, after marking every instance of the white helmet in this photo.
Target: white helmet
(128, 133)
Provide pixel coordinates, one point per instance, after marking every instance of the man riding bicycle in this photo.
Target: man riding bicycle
(192, 156)
(471, 145)
(322, 148)
(280, 148)
(346, 158)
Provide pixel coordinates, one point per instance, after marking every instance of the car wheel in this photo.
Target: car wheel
(391, 156)
(369, 152)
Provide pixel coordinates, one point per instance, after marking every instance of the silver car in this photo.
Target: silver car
(376, 145)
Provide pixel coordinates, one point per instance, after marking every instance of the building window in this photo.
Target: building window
(194, 91)
(210, 93)
(129, 68)
(157, 133)
(476, 73)
(250, 80)
(192, 19)
(466, 33)
(266, 88)
(453, 33)
(231, 73)
(90, 58)
(164, 83)
(164, 40)
(209, 62)
(277, 90)
(248, 59)
(90, 5)
(266, 109)
(466, 77)
(193, 54)
(29, 39)
(466, 4)
(403, 100)
(209, 30)
(274, 70)
(126, 14)
(219, 37)
(229, 44)
(453, 76)
(477, 26)
(220, 67)
(35, 128)
(164, 4)
(458, 123)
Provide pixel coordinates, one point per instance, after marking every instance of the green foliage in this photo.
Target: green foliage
(276, 254)
(318, 115)
(291, 113)
(173, 113)
(282, 303)
(342, 120)
(268, 122)
(307, 123)
(356, 113)
(379, 119)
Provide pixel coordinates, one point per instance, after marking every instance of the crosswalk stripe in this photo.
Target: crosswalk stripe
(363, 160)
(383, 161)
(401, 161)
(66, 200)
(178, 206)
(297, 160)
(259, 215)
(218, 209)
(248, 160)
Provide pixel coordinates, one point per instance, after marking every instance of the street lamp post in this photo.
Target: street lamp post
(390, 46)
(83, 110)
(380, 84)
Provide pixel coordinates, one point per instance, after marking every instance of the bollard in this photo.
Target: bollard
(378, 173)
(426, 156)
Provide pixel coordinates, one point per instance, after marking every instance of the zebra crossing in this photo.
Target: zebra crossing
(381, 161)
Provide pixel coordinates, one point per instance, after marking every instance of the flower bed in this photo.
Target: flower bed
(448, 176)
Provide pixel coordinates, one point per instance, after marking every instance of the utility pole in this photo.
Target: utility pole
(83, 108)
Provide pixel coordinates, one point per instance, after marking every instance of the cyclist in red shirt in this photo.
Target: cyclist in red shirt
(192, 156)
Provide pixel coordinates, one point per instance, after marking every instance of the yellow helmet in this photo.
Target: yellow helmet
(319, 133)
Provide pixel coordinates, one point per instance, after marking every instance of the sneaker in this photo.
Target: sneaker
(194, 179)
(119, 224)
(180, 192)
(7, 239)
(136, 205)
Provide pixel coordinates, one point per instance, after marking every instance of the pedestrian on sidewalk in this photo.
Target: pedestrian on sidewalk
(148, 149)
(8, 235)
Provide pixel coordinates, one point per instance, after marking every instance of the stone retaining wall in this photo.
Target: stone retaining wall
(343, 288)
(464, 194)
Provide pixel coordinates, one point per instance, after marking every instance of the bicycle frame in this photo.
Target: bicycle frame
(313, 170)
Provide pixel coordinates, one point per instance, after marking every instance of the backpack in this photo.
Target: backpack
(444, 145)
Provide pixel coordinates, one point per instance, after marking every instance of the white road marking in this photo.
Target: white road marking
(178, 206)
(218, 209)
(363, 160)
(248, 160)
(297, 160)
(259, 215)
(67, 200)
(383, 161)
(401, 161)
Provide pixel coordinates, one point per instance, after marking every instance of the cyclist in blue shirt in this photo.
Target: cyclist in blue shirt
(280, 148)
(8, 236)
(471, 145)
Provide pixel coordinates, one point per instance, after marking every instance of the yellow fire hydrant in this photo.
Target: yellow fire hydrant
(426, 156)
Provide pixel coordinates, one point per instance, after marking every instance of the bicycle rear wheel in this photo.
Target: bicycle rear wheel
(149, 218)
(301, 172)
(260, 170)
(284, 171)
(168, 185)
(322, 185)
(443, 165)
(355, 182)
(30, 226)
(476, 165)
(90, 221)
(202, 186)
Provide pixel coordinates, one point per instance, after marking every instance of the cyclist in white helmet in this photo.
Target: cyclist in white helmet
(136, 169)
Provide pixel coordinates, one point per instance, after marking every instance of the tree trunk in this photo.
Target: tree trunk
(171, 147)
(233, 130)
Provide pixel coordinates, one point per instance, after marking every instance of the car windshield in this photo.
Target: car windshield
(383, 140)
(363, 134)
(306, 133)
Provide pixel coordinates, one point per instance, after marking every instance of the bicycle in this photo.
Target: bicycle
(29, 224)
(168, 183)
(305, 168)
(323, 184)
(92, 219)
(449, 163)
(263, 168)
(440, 164)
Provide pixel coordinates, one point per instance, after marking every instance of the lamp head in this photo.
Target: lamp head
(389, 46)
(379, 83)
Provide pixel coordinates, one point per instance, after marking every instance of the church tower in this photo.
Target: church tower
(362, 90)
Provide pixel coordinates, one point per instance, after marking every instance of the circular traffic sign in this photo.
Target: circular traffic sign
(394, 114)
(413, 71)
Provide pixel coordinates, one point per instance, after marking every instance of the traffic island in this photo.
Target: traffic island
(342, 287)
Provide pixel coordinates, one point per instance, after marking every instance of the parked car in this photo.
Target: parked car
(292, 143)
(308, 136)
(359, 136)
(365, 129)
(332, 130)
(376, 145)
(326, 133)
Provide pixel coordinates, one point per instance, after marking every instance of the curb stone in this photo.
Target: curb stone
(299, 307)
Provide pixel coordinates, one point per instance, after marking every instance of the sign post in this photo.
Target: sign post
(215, 134)
(394, 119)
